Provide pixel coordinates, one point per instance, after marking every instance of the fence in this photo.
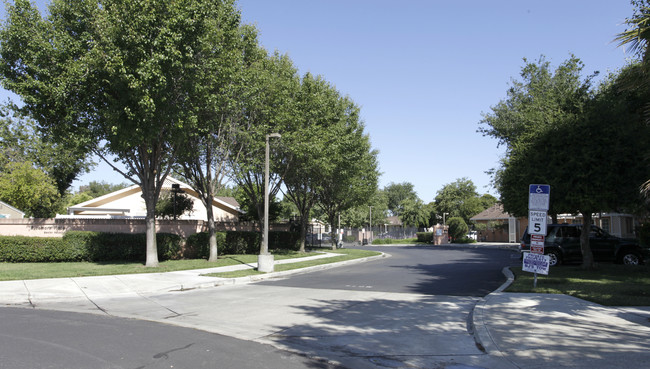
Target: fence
(360, 236)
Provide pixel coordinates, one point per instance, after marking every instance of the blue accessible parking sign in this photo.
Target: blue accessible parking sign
(539, 196)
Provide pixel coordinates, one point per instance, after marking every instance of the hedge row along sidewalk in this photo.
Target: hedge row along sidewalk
(102, 246)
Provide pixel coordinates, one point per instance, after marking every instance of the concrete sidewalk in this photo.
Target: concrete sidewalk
(26, 292)
(560, 331)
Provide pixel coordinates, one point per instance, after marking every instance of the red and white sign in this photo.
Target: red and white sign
(537, 244)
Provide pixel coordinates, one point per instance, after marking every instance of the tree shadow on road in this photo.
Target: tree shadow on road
(401, 329)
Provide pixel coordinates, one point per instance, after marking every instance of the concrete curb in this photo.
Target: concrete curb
(484, 340)
(271, 275)
(478, 245)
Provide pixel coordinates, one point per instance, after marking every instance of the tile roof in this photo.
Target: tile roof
(492, 213)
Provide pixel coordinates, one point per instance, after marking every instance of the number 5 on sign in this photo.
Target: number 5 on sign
(537, 222)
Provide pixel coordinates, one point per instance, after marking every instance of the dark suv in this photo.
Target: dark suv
(562, 244)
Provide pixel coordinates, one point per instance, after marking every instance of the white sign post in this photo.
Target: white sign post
(539, 196)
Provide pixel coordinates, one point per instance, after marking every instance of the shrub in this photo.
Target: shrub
(242, 242)
(99, 246)
(425, 237)
(284, 240)
(197, 246)
(86, 246)
(457, 228)
(26, 249)
(464, 239)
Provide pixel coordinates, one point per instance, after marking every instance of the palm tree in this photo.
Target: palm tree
(636, 38)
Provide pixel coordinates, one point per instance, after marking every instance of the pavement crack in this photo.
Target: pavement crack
(88, 297)
(29, 296)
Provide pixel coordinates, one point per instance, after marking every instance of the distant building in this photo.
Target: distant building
(9, 212)
(128, 203)
(499, 225)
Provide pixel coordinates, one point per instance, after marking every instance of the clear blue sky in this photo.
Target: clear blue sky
(423, 71)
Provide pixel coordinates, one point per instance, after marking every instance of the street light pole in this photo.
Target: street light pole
(370, 221)
(265, 259)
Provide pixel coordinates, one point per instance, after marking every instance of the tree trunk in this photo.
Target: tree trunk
(212, 232)
(152, 248)
(333, 234)
(303, 233)
(587, 255)
(149, 195)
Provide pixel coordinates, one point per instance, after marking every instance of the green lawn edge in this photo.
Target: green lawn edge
(27, 271)
(608, 284)
(346, 254)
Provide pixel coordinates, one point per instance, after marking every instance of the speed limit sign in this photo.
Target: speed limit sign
(537, 222)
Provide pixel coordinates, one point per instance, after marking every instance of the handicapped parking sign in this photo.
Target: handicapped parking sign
(539, 196)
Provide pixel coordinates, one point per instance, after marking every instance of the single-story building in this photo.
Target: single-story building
(499, 226)
(616, 224)
(502, 227)
(9, 212)
(128, 203)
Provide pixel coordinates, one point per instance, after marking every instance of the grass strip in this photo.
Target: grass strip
(346, 254)
(22, 271)
(608, 284)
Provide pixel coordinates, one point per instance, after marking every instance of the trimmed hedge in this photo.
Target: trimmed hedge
(99, 246)
(425, 237)
(87, 246)
(25, 249)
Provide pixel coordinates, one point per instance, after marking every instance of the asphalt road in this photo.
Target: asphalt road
(31, 339)
(408, 310)
(440, 270)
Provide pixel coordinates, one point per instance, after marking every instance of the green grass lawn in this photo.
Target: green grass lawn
(609, 284)
(346, 254)
(21, 271)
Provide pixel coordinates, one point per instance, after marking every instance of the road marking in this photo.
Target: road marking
(355, 286)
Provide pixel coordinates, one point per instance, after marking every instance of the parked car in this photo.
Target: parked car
(562, 244)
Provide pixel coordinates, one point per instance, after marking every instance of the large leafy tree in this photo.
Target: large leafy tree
(460, 199)
(21, 140)
(373, 212)
(351, 169)
(413, 212)
(542, 101)
(217, 102)
(636, 37)
(29, 189)
(306, 162)
(269, 107)
(114, 73)
(397, 193)
(591, 153)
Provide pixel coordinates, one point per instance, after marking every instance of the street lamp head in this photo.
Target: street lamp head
(274, 135)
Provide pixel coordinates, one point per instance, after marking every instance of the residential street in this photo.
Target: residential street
(399, 311)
